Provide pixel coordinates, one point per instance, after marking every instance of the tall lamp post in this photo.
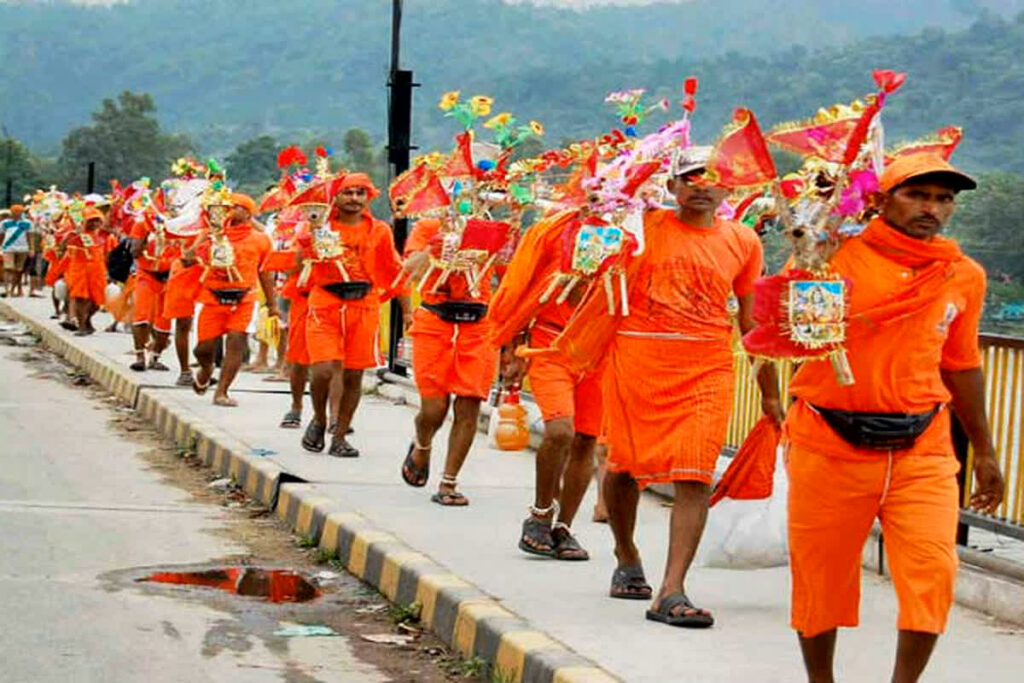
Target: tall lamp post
(400, 86)
(9, 143)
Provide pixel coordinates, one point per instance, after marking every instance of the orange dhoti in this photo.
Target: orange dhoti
(833, 503)
(452, 358)
(58, 267)
(297, 351)
(183, 287)
(562, 393)
(667, 403)
(87, 279)
(345, 333)
(216, 320)
(149, 302)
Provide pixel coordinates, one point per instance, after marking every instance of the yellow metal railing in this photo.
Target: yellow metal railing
(1003, 361)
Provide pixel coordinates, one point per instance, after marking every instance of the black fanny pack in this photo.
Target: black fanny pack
(229, 297)
(159, 275)
(878, 431)
(458, 311)
(349, 291)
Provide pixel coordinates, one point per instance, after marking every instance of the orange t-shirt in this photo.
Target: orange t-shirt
(686, 274)
(148, 259)
(251, 248)
(896, 366)
(369, 256)
(455, 288)
(79, 253)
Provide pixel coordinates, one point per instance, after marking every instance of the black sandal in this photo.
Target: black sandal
(341, 448)
(538, 533)
(292, 419)
(567, 548)
(411, 474)
(451, 499)
(699, 618)
(313, 440)
(628, 583)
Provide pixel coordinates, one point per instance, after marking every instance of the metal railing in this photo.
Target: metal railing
(1003, 363)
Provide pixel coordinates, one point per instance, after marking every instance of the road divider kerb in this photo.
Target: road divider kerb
(464, 617)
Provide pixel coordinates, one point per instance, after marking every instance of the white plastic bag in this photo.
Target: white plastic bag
(748, 534)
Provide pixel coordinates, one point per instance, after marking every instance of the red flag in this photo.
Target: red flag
(741, 157)
(417, 191)
(489, 236)
(825, 140)
(943, 142)
(460, 164)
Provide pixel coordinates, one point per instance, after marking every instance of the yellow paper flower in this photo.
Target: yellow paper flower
(536, 128)
(481, 105)
(449, 100)
(501, 119)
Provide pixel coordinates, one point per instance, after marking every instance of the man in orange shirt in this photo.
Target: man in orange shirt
(570, 402)
(86, 274)
(669, 381)
(153, 258)
(343, 321)
(228, 294)
(181, 295)
(881, 448)
(452, 357)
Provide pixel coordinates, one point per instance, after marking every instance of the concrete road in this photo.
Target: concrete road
(76, 503)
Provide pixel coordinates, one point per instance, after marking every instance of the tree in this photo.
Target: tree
(125, 142)
(18, 165)
(358, 148)
(989, 226)
(253, 165)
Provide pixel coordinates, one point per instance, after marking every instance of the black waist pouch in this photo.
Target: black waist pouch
(229, 297)
(458, 311)
(159, 275)
(877, 431)
(349, 291)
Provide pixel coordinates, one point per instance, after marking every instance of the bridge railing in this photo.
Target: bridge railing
(1003, 362)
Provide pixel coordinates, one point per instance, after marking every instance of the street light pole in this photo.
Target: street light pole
(400, 84)
(10, 161)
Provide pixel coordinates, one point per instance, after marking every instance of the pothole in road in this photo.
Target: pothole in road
(272, 585)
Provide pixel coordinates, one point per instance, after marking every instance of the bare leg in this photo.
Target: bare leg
(428, 420)
(352, 391)
(205, 353)
(282, 350)
(622, 496)
(689, 513)
(601, 507)
(297, 378)
(550, 463)
(81, 312)
(140, 335)
(819, 652)
(465, 414)
(161, 340)
(336, 390)
(182, 328)
(576, 477)
(234, 349)
(261, 363)
(320, 387)
(913, 651)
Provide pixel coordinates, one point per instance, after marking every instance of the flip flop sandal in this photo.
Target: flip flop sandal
(155, 364)
(340, 448)
(628, 583)
(140, 366)
(450, 499)
(537, 538)
(292, 419)
(420, 475)
(567, 548)
(664, 613)
(313, 440)
(69, 326)
(197, 387)
(184, 379)
(82, 333)
(225, 402)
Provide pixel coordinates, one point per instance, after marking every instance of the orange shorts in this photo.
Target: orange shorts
(667, 404)
(347, 334)
(149, 302)
(218, 319)
(58, 266)
(833, 503)
(451, 358)
(560, 393)
(87, 280)
(183, 289)
(297, 352)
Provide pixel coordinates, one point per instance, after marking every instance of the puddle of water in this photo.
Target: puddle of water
(273, 585)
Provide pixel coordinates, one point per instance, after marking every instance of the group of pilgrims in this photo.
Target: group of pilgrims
(617, 279)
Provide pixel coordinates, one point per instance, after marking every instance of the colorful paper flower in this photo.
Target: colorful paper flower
(481, 105)
(536, 128)
(502, 119)
(449, 100)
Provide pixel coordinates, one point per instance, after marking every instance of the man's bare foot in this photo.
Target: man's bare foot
(224, 401)
(600, 515)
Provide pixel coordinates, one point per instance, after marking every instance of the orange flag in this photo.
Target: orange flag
(741, 157)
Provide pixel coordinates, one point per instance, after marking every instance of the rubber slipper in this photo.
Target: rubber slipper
(663, 614)
(629, 583)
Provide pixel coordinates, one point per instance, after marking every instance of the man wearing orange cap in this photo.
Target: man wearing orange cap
(454, 363)
(86, 274)
(570, 402)
(881, 448)
(153, 258)
(233, 257)
(15, 245)
(343, 321)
